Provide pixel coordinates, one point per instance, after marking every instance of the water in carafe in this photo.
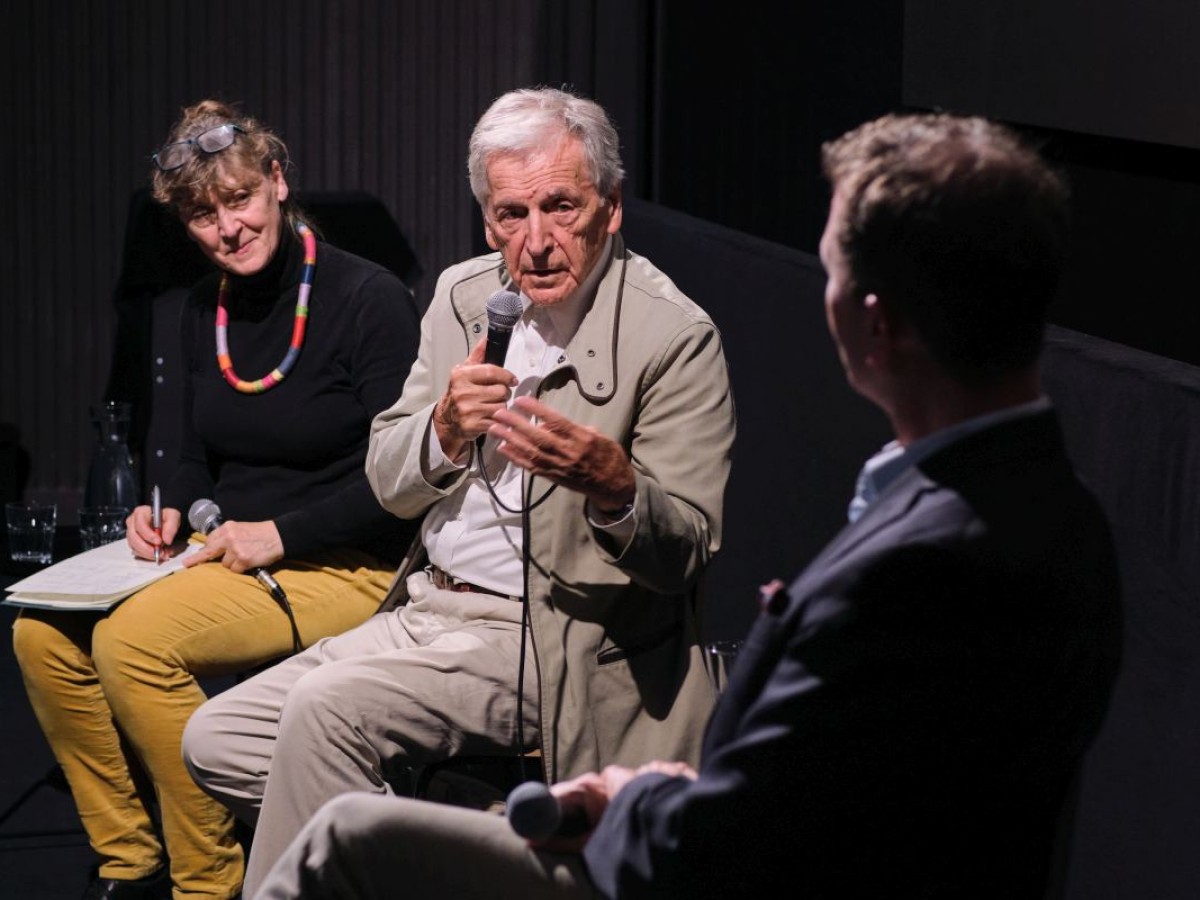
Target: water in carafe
(110, 478)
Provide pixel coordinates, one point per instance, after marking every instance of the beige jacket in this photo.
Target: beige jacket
(615, 634)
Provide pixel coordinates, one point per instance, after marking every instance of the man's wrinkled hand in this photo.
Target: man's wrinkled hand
(477, 390)
(578, 457)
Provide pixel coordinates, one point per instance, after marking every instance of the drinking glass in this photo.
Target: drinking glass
(101, 525)
(31, 531)
(721, 656)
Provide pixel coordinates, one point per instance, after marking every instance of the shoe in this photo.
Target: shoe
(151, 887)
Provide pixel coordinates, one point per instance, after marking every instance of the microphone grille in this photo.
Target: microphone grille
(533, 812)
(201, 514)
(504, 308)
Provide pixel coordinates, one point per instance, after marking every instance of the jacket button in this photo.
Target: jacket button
(599, 385)
(477, 328)
(591, 353)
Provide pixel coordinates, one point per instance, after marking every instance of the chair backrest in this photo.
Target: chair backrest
(158, 261)
(1132, 426)
(14, 463)
(360, 224)
(160, 443)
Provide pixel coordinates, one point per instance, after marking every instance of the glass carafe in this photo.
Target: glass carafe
(110, 478)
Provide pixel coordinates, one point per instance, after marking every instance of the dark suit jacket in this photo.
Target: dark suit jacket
(906, 720)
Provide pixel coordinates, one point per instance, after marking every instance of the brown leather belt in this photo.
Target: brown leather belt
(444, 581)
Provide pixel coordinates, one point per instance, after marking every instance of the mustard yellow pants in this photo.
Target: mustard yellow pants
(112, 693)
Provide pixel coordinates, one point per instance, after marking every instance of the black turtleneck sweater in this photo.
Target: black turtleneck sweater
(295, 453)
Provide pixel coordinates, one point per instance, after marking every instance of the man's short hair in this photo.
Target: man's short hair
(961, 226)
(529, 119)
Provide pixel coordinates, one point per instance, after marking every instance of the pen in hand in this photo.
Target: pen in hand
(156, 521)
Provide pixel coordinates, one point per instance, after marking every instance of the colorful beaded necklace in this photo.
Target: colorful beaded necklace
(225, 362)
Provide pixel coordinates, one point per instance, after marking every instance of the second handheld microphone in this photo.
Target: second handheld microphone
(205, 516)
(537, 815)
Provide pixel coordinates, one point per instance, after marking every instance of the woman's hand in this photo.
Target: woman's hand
(141, 536)
(240, 546)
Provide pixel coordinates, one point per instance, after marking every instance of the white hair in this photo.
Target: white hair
(527, 119)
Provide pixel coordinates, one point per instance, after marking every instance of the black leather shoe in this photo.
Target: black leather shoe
(152, 887)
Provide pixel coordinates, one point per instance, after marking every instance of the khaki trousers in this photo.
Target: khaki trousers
(365, 847)
(430, 680)
(112, 693)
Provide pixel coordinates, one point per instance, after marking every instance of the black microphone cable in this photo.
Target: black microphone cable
(277, 592)
(525, 507)
(528, 505)
(526, 562)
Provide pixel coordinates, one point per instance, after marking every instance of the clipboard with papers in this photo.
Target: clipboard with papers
(96, 579)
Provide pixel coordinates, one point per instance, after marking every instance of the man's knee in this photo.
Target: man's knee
(320, 699)
(355, 820)
(206, 752)
(349, 812)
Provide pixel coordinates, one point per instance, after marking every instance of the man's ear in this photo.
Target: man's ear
(880, 331)
(890, 334)
(489, 235)
(616, 211)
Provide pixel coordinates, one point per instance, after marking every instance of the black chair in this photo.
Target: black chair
(14, 463)
(477, 781)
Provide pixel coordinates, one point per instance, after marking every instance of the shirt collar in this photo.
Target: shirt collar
(892, 461)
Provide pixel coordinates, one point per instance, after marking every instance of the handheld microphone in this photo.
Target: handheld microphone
(537, 815)
(205, 516)
(504, 308)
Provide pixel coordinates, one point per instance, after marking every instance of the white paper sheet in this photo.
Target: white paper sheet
(94, 579)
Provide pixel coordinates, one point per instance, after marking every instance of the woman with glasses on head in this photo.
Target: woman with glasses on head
(327, 339)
